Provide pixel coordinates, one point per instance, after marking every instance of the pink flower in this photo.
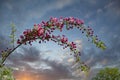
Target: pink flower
(64, 40)
(71, 20)
(54, 20)
(79, 22)
(18, 41)
(73, 45)
(22, 37)
(35, 26)
(60, 26)
(40, 31)
(45, 23)
(25, 32)
(66, 19)
(47, 36)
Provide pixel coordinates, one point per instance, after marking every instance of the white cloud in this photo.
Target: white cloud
(78, 41)
(70, 60)
(81, 74)
(98, 65)
(79, 44)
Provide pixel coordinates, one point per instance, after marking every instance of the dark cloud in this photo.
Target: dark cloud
(57, 71)
(28, 54)
(60, 70)
(21, 59)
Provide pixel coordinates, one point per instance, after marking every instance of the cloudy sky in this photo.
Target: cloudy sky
(48, 61)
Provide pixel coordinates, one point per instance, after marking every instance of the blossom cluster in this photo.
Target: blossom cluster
(44, 32)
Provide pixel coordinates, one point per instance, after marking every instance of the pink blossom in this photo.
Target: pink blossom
(71, 20)
(40, 31)
(73, 45)
(79, 22)
(18, 41)
(54, 20)
(60, 26)
(45, 23)
(25, 32)
(22, 37)
(64, 40)
(47, 36)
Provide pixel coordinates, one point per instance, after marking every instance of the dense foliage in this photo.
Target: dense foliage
(108, 74)
(6, 73)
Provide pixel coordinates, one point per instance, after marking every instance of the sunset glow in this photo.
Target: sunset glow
(26, 76)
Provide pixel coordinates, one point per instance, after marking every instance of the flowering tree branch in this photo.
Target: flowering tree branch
(44, 32)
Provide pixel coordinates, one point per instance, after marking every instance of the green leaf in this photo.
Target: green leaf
(6, 73)
(12, 35)
(77, 59)
(108, 74)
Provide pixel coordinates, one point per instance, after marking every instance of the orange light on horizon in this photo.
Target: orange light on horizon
(26, 76)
